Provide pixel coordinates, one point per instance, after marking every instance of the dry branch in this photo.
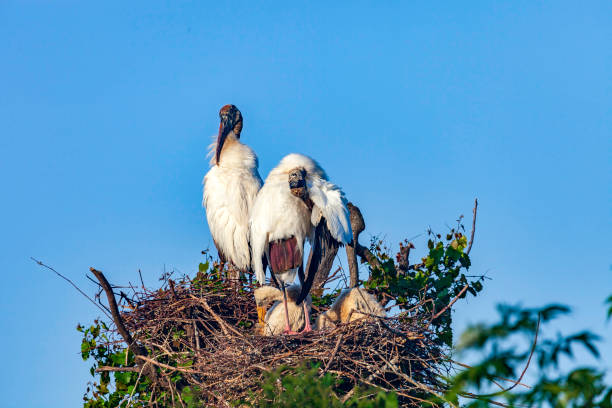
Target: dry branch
(136, 348)
(117, 369)
(469, 248)
(73, 284)
(452, 302)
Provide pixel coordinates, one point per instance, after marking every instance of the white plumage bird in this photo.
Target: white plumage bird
(274, 320)
(295, 204)
(352, 304)
(230, 187)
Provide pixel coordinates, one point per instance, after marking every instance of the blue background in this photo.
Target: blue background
(106, 112)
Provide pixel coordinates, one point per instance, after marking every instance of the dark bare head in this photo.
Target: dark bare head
(357, 222)
(231, 122)
(297, 183)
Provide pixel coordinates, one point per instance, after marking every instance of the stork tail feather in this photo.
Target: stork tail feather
(284, 255)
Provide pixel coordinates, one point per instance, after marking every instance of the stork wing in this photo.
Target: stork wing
(258, 241)
(322, 253)
(331, 205)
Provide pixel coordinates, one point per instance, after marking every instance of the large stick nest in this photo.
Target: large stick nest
(204, 330)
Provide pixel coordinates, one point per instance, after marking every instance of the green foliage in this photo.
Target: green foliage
(304, 387)
(440, 277)
(112, 389)
(582, 387)
(325, 300)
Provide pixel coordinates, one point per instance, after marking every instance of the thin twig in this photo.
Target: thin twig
(141, 280)
(333, 354)
(102, 369)
(469, 248)
(451, 303)
(166, 366)
(495, 376)
(517, 382)
(73, 284)
(135, 386)
(222, 323)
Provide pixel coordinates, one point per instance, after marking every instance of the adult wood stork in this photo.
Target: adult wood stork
(295, 204)
(230, 187)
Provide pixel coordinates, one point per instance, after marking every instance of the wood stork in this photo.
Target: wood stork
(350, 305)
(230, 187)
(274, 321)
(295, 204)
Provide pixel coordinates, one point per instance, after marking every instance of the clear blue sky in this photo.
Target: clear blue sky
(106, 112)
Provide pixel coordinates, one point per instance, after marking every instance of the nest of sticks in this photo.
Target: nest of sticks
(204, 331)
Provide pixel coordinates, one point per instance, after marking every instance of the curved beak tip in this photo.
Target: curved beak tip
(223, 131)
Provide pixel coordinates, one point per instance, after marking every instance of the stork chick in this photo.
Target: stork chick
(274, 321)
(350, 305)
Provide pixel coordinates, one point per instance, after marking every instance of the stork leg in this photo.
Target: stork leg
(307, 327)
(287, 325)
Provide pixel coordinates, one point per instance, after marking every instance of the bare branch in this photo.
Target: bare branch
(517, 382)
(137, 349)
(73, 284)
(141, 280)
(367, 256)
(332, 355)
(499, 378)
(402, 257)
(469, 248)
(117, 369)
(452, 302)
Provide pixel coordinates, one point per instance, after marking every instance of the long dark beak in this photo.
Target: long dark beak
(224, 128)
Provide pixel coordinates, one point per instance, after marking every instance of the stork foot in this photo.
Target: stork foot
(307, 326)
(306, 330)
(290, 332)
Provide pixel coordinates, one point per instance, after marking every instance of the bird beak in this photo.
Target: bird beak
(225, 127)
(261, 315)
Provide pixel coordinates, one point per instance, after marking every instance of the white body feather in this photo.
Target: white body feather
(275, 317)
(229, 192)
(278, 214)
(350, 305)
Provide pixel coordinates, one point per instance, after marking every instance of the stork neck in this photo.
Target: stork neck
(229, 144)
